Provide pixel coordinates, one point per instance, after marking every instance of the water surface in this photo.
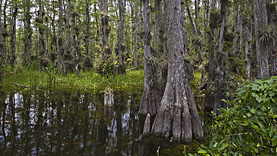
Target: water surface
(73, 123)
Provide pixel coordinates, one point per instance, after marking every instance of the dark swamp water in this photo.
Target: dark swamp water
(63, 123)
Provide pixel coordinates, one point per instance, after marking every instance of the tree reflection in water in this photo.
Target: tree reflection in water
(71, 123)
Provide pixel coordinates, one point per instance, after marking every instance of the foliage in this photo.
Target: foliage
(248, 126)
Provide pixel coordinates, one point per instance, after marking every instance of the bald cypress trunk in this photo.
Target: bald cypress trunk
(1, 42)
(177, 113)
(76, 44)
(61, 49)
(53, 53)
(151, 97)
(42, 59)
(68, 58)
(27, 35)
(209, 97)
(272, 56)
(261, 23)
(247, 30)
(88, 63)
(121, 67)
(13, 34)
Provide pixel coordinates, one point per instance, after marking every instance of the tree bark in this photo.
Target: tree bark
(247, 29)
(135, 30)
(42, 61)
(272, 56)
(4, 30)
(28, 34)
(209, 97)
(13, 34)
(177, 111)
(221, 61)
(53, 52)
(121, 68)
(1, 42)
(261, 24)
(76, 42)
(150, 100)
(104, 23)
(61, 49)
(195, 31)
(69, 67)
(183, 22)
(88, 63)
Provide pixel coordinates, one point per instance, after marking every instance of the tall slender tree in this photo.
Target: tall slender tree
(88, 63)
(53, 52)
(13, 33)
(68, 58)
(61, 49)
(76, 42)
(1, 42)
(27, 33)
(43, 62)
(135, 30)
(121, 5)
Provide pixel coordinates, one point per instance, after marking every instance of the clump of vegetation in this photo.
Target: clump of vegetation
(85, 81)
(248, 126)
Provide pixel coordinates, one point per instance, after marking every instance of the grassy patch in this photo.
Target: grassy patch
(85, 81)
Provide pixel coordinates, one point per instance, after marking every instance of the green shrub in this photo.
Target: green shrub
(248, 126)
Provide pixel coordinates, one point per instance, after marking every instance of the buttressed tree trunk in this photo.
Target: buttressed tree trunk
(177, 114)
(150, 100)
(262, 37)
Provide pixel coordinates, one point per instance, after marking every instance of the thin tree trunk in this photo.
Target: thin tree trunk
(209, 97)
(104, 22)
(1, 42)
(260, 19)
(61, 49)
(4, 31)
(28, 35)
(43, 62)
(195, 31)
(54, 37)
(68, 55)
(88, 63)
(272, 56)
(135, 30)
(247, 29)
(121, 68)
(76, 43)
(177, 113)
(13, 35)
(221, 61)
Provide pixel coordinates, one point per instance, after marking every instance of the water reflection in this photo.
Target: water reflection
(63, 123)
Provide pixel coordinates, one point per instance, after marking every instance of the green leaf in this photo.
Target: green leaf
(201, 151)
(270, 132)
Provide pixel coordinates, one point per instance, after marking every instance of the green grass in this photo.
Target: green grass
(85, 81)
